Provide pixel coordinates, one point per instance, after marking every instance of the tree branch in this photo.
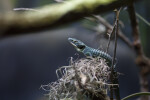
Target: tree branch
(116, 89)
(142, 61)
(120, 34)
(54, 15)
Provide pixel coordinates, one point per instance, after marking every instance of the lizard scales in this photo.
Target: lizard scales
(88, 51)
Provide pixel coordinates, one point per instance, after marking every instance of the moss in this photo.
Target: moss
(83, 79)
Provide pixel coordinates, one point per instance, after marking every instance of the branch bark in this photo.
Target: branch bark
(54, 15)
(120, 34)
(141, 60)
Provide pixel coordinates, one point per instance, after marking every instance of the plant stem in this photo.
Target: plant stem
(136, 94)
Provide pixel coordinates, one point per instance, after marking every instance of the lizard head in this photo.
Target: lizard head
(79, 46)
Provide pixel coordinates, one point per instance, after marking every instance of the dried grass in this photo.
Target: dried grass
(83, 79)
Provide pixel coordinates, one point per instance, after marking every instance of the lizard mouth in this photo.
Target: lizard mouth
(73, 44)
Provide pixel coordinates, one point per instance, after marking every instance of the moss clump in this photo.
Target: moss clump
(83, 79)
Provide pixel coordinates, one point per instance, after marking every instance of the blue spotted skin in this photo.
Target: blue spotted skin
(88, 51)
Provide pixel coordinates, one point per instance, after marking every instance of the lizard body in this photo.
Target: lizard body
(88, 51)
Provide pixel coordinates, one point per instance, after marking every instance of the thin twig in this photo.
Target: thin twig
(113, 77)
(114, 56)
(116, 37)
(110, 34)
(117, 92)
(112, 67)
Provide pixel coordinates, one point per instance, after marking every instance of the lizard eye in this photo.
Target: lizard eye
(75, 41)
(81, 47)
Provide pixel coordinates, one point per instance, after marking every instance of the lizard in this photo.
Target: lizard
(91, 52)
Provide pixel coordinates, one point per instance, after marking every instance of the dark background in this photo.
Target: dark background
(29, 61)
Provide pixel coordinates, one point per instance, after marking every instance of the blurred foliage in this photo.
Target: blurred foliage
(14, 2)
(143, 11)
(45, 2)
(124, 18)
(144, 28)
